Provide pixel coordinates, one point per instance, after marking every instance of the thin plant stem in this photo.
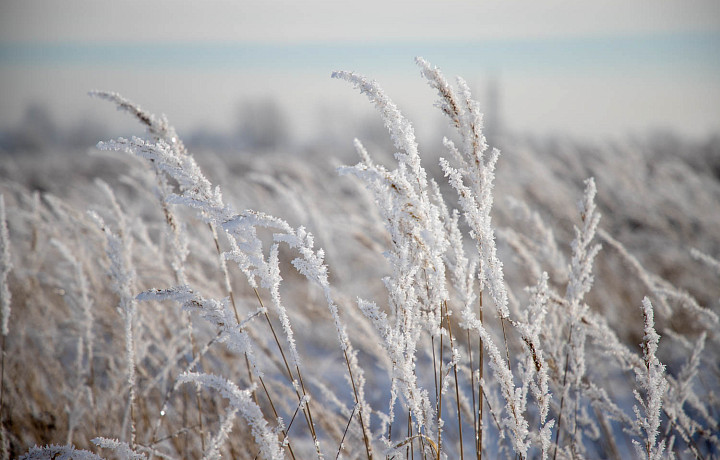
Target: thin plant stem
(434, 361)
(472, 391)
(507, 350)
(352, 414)
(197, 355)
(252, 379)
(231, 294)
(306, 409)
(389, 433)
(607, 434)
(410, 436)
(275, 412)
(292, 419)
(357, 401)
(237, 318)
(439, 414)
(497, 423)
(562, 397)
(457, 389)
(694, 448)
(479, 435)
(2, 391)
(578, 395)
(131, 365)
(170, 436)
(421, 437)
(197, 394)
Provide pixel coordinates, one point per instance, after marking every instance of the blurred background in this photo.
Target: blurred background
(243, 75)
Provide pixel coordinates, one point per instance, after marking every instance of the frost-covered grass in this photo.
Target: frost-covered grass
(446, 317)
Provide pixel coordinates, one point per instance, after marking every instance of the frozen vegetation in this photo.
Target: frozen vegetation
(555, 300)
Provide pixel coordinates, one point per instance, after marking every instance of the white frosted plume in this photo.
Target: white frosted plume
(5, 267)
(241, 400)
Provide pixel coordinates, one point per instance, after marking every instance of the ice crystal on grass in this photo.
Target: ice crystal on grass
(158, 127)
(221, 437)
(400, 128)
(416, 288)
(473, 176)
(535, 365)
(681, 392)
(218, 313)
(122, 274)
(121, 448)
(59, 453)
(652, 381)
(583, 253)
(79, 296)
(579, 284)
(5, 267)
(241, 400)
(197, 191)
(246, 248)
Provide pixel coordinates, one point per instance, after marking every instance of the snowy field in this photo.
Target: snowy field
(556, 299)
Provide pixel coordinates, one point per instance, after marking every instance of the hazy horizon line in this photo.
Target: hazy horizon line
(696, 50)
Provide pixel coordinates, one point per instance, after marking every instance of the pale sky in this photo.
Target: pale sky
(600, 68)
(318, 20)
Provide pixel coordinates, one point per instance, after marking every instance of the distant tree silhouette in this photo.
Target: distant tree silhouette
(262, 125)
